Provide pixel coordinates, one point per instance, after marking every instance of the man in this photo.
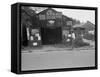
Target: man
(73, 38)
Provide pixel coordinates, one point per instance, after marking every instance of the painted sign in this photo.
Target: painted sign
(50, 14)
(69, 23)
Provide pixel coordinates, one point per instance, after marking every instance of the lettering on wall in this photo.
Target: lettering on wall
(50, 15)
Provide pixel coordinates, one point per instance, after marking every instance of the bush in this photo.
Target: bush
(89, 36)
(79, 43)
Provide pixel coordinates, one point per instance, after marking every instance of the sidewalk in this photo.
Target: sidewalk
(47, 48)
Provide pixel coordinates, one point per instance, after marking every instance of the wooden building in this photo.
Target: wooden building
(49, 27)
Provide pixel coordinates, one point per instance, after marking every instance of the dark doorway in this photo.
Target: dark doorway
(24, 36)
(51, 35)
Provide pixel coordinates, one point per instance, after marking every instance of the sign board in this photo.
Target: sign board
(34, 31)
(69, 23)
(50, 15)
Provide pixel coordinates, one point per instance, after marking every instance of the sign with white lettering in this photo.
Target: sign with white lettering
(42, 17)
(69, 23)
(50, 15)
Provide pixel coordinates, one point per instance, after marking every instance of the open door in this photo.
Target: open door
(51, 35)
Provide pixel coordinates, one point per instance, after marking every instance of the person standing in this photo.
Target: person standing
(73, 39)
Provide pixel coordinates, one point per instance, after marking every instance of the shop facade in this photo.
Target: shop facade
(49, 27)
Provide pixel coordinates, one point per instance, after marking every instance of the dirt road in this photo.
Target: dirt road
(58, 59)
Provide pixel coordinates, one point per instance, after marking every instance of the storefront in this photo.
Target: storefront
(49, 27)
